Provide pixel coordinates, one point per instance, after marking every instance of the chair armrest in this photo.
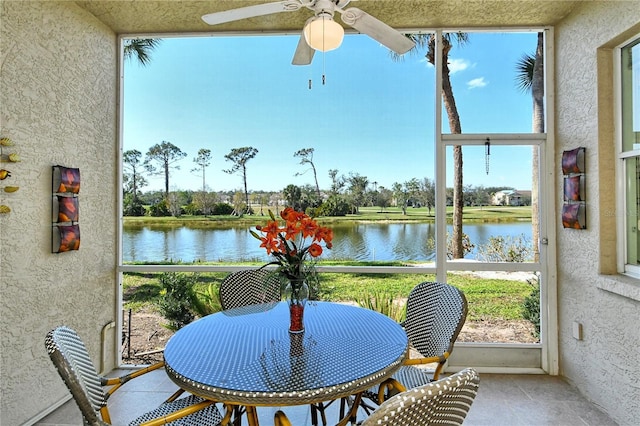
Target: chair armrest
(116, 382)
(433, 359)
(178, 414)
(280, 419)
(430, 360)
(392, 385)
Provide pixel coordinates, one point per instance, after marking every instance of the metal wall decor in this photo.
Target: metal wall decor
(65, 209)
(574, 206)
(7, 155)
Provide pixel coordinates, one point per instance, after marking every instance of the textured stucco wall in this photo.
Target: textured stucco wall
(58, 96)
(605, 365)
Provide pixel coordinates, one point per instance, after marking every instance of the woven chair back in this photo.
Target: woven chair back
(443, 402)
(249, 287)
(71, 359)
(436, 313)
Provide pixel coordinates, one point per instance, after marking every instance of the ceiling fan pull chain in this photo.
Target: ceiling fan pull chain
(487, 144)
(323, 69)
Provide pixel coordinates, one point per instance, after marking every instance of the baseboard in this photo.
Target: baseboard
(41, 415)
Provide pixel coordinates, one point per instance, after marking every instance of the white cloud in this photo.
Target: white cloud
(476, 82)
(456, 65)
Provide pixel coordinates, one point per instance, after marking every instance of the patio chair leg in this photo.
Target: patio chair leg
(252, 415)
(351, 416)
(323, 416)
(319, 408)
(344, 402)
(238, 411)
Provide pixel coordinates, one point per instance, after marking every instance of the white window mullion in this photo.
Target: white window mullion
(440, 168)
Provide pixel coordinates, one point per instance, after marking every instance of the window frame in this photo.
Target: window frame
(623, 158)
(530, 358)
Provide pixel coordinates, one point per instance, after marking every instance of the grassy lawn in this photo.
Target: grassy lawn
(471, 214)
(487, 298)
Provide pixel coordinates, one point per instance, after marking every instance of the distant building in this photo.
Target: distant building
(510, 197)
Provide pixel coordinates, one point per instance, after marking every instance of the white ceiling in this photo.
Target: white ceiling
(176, 16)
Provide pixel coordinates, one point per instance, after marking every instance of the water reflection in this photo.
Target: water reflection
(354, 241)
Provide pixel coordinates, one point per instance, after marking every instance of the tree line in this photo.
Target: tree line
(346, 194)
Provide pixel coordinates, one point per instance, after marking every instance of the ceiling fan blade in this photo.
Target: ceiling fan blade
(251, 11)
(377, 30)
(304, 52)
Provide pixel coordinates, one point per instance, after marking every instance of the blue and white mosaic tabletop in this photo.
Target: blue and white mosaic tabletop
(247, 356)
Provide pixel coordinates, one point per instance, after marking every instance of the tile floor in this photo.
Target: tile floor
(502, 400)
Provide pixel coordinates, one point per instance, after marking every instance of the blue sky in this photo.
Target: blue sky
(372, 117)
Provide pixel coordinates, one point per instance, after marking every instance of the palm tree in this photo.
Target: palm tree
(131, 163)
(239, 157)
(429, 41)
(164, 155)
(306, 157)
(140, 48)
(203, 160)
(530, 78)
(293, 194)
(401, 195)
(357, 189)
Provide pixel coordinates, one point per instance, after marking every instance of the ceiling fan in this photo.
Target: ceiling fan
(320, 32)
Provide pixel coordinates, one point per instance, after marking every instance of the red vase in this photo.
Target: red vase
(296, 316)
(296, 294)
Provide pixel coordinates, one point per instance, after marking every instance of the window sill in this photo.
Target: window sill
(621, 285)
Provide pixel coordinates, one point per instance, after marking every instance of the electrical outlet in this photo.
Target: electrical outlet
(577, 330)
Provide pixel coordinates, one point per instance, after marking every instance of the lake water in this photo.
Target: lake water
(364, 242)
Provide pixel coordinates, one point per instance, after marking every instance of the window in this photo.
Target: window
(388, 144)
(629, 155)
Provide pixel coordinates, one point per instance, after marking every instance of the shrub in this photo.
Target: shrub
(313, 211)
(531, 305)
(177, 299)
(159, 209)
(385, 303)
(334, 206)
(131, 206)
(506, 249)
(134, 209)
(467, 245)
(192, 209)
(208, 301)
(222, 209)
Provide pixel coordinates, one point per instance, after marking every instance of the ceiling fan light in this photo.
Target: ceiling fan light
(323, 33)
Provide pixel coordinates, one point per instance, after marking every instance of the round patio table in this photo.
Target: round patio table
(247, 357)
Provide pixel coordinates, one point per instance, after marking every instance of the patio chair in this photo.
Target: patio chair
(245, 288)
(249, 287)
(436, 313)
(443, 402)
(71, 359)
